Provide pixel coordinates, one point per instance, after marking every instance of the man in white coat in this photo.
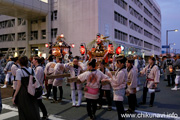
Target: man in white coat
(49, 70)
(58, 69)
(75, 69)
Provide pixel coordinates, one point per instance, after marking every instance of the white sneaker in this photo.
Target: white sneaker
(175, 88)
(74, 104)
(5, 86)
(78, 105)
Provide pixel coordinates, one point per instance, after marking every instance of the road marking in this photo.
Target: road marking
(7, 98)
(137, 111)
(14, 113)
(8, 115)
(54, 117)
(8, 107)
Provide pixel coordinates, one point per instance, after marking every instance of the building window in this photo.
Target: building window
(54, 15)
(135, 27)
(34, 35)
(34, 21)
(7, 23)
(156, 11)
(21, 21)
(120, 35)
(147, 45)
(157, 30)
(135, 41)
(121, 3)
(43, 20)
(147, 12)
(149, 3)
(157, 39)
(43, 34)
(138, 3)
(156, 48)
(147, 34)
(147, 23)
(21, 36)
(135, 13)
(119, 18)
(54, 33)
(156, 21)
(7, 37)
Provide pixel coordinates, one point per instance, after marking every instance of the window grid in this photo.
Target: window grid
(120, 35)
(135, 13)
(121, 3)
(135, 27)
(119, 18)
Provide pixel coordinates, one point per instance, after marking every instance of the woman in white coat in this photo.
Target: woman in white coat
(118, 83)
(92, 78)
(152, 79)
(131, 85)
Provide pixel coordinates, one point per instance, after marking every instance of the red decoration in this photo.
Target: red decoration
(98, 40)
(46, 45)
(62, 35)
(72, 45)
(110, 48)
(82, 50)
(93, 49)
(118, 50)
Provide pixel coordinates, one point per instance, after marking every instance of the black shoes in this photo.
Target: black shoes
(54, 101)
(142, 103)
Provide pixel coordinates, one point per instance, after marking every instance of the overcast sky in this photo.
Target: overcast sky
(170, 11)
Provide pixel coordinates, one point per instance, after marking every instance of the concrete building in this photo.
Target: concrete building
(135, 24)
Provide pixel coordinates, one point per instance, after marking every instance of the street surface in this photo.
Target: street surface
(166, 102)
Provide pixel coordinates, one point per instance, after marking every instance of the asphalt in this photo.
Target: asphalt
(166, 102)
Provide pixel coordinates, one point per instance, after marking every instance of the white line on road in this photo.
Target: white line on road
(84, 103)
(15, 113)
(8, 115)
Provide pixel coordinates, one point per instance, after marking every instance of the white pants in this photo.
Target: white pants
(73, 96)
(8, 76)
(177, 79)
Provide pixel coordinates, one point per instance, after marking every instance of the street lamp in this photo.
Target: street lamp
(175, 30)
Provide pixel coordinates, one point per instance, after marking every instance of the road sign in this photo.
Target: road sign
(165, 46)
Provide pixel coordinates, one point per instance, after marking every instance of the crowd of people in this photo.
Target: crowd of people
(94, 79)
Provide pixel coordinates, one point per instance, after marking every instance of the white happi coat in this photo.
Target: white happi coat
(58, 69)
(14, 68)
(108, 86)
(132, 80)
(49, 70)
(154, 74)
(95, 83)
(39, 73)
(70, 67)
(118, 83)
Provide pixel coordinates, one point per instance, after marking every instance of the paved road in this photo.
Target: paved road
(166, 102)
